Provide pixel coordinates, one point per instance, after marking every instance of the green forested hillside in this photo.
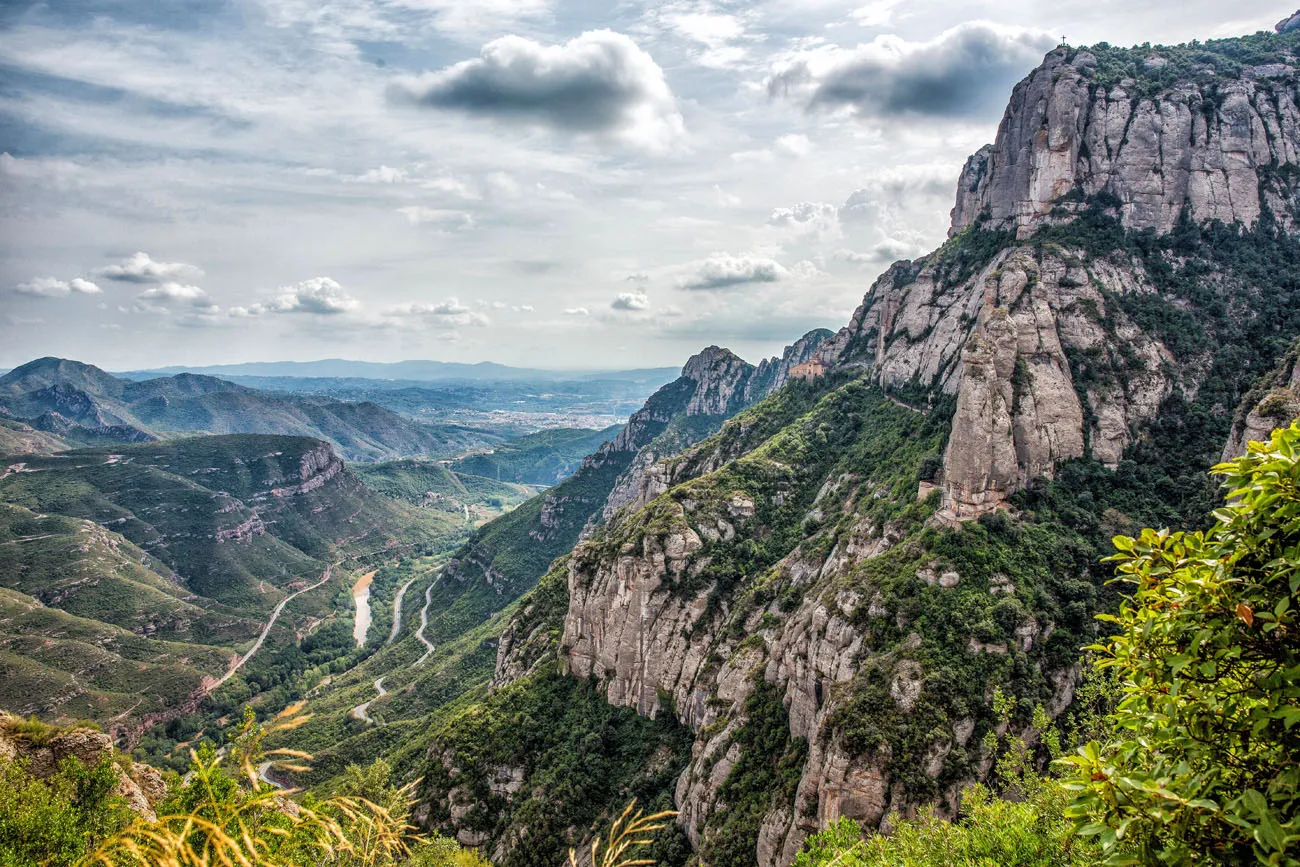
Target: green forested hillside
(173, 556)
(439, 486)
(85, 405)
(543, 458)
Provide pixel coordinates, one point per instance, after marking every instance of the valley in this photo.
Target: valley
(1003, 570)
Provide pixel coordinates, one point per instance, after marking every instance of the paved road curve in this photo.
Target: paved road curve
(360, 711)
(257, 645)
(397, 610)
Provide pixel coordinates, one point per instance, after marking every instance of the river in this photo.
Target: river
(361, 596)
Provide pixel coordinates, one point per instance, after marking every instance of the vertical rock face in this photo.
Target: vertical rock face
(1001, 341)
(141, 787)
(1030, 341)
(1203, 147)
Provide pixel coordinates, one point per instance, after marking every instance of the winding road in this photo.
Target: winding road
(397, 610)
(257, 645)
(264, 774)
(424, 621)
(360, 711)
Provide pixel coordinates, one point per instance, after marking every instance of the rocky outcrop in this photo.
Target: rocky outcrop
(1002, 341)
(1274, 403)
(139, 785)
(1206, 147)
(723, 388)
(315, 468)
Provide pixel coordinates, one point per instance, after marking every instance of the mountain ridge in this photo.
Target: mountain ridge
(826, 591)
(80, 402)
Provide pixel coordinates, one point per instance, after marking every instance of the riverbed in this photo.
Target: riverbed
(361, 596)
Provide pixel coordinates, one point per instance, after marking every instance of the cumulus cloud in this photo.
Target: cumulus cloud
(51, 287)
(598, 83)
(576, 311)
(631, 301)
(882, 253)
(442, 219)
(964, 72)
(319, 295)
(805, 218)
(449, 312)
(142, 268)
(724, 271)
(168, 292)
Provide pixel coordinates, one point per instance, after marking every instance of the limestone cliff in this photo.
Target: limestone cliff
(138, 784)
(1207, 145)
(799, 551)
(726, 385)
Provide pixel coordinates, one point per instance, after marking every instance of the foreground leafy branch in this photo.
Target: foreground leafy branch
(1204, 765)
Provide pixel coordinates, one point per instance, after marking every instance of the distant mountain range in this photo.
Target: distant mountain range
(413, 371)
(72, 404)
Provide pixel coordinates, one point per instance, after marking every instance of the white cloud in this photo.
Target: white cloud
(599, 83)
(168, 292)
(720, 36)
(576, 311)
(804, 270)
(794, 144)
(318, 295)
(879, 13)
(442, 219)
(723, 271)
(142, 268)
(631, 301)
(449, 312)
(964, 72)
(51, 287)
(382, 175)
(805, 218)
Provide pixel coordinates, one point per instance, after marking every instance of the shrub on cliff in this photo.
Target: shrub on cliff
(52, 821)
(1204, 763)
(1030, 833)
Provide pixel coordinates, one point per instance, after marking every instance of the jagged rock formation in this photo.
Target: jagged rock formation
(726, 385)
(1207, 147)
(316, 467)
(1001, 340)
(789, 555)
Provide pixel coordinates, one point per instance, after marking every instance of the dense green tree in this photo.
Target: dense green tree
(1204, 763)
(53, 821)
(992, 831)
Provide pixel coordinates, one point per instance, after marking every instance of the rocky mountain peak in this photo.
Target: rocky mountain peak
(1286, 25)
(1158, 133)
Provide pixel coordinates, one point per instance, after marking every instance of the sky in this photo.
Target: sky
(543, 183)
